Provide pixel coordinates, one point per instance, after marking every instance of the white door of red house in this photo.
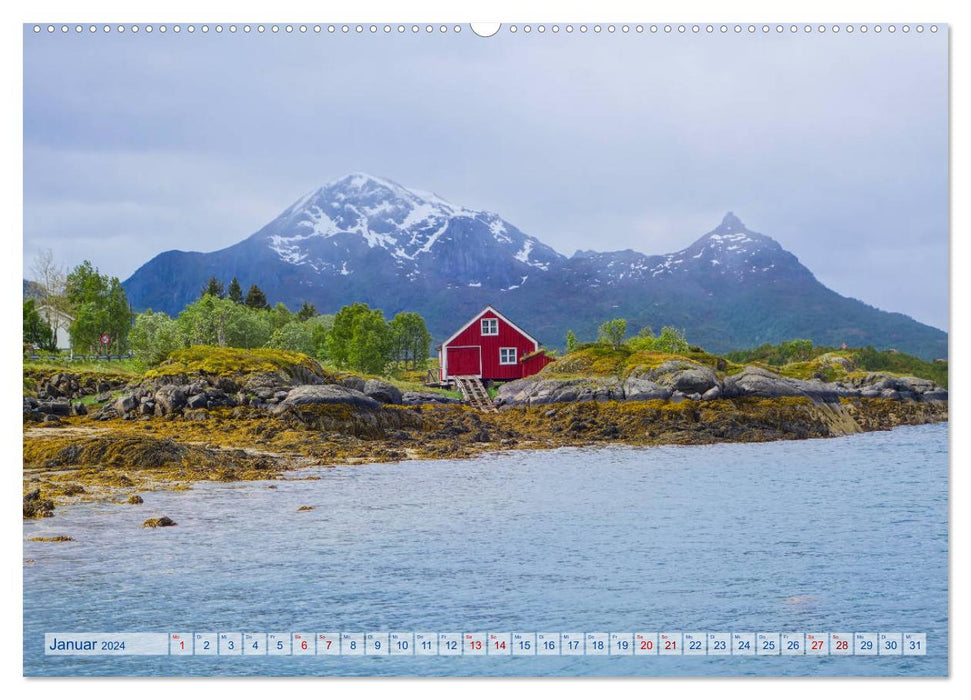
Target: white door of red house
(464, 360)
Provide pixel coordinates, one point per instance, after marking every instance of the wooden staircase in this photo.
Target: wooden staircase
(474, 393)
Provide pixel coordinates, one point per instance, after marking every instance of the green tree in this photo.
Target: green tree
(206, 321)
(797, 350)
(280, 315)
(370, 349)
(571, 341)
(360, 339)
(235, 292)
(154, 336)
(214, 288)
(612, 332)
(307, 311)
(295, 336)
(409, 339)
(256, 299)
(36, 331)
(320, 327)
(100, 308)
(671, 340)
(248, 328)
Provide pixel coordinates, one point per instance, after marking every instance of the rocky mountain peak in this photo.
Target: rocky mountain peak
(730, 222)
(416, 232)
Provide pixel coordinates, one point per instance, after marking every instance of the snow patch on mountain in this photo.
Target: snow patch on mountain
(407, 223)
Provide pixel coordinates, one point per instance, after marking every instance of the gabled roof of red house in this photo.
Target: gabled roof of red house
(475, 318)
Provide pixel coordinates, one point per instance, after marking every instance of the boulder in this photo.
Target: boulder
(915, 385)
(197, 401)
(62, 384)
(883, 385)
(226, 385)
(169, 399)
(217, 397)
(713, 393)
(382, 391)
(640, 389)
(694, 381)
(533, 392)
(680, 375)
(55, 408)
(755, 381)
(196, 387)
(311, 394)
(351, 382)
(164, 521)
(79, 409)
(106, 413)
(37, 507)
(126, 403)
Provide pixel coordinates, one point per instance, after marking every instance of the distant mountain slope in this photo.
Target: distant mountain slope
(363, 238)
(32, 290)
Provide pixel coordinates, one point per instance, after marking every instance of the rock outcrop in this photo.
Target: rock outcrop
(382, 391)
(326, 394)
(678, 380)
(536, 390)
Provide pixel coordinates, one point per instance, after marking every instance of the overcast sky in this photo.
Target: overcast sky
(835, 145)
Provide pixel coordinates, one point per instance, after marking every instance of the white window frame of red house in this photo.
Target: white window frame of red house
(515, 356)
(491, 322)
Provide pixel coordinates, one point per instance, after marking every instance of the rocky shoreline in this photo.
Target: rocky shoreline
(168, 431)
(678, 380)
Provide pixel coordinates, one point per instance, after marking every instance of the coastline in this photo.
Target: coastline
(82, 459)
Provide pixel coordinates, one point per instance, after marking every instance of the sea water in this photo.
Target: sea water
(830, 535)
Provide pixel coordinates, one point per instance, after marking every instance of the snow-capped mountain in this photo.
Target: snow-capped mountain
(366, 238)
(362, 217)
(728, 254)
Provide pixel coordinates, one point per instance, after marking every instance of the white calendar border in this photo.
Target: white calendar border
(11, 646)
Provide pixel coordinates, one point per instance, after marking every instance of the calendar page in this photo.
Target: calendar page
(517, 349)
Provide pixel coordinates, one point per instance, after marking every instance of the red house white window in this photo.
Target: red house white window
(491, 347)
(507, 356)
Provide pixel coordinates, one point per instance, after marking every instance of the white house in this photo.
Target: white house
(60, 322)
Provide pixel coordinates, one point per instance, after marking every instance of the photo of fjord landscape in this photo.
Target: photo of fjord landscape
(402, 341)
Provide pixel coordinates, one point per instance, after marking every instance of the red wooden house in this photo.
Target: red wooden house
(490, 346)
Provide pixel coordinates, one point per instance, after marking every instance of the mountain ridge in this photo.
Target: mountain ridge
(365, 238)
